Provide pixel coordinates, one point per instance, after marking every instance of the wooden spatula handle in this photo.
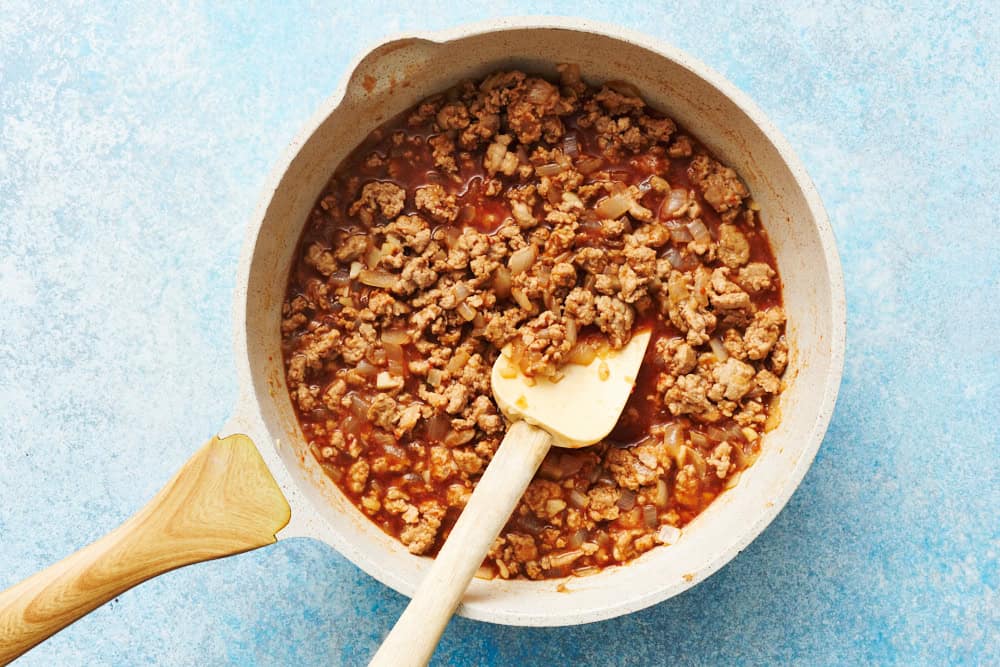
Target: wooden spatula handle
(223, 501)
(416, 633)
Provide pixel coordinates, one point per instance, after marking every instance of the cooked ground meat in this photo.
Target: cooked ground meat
(556, 217)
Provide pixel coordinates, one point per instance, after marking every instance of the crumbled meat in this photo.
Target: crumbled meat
(553, 218)
(387, 198)
(720, 186)
(755, 277)
(437, 203)
(763, 332)
(734, 250)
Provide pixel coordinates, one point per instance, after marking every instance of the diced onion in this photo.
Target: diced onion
(435, 376)
(550, 169)
(674, 257)
(698, 439)
(340, 278)
(372, 257)
(571, 146)
(673, 204)
(438, 427)
(379, 279)
(718, 349)
(564, 559)
(570, 331)
(397, 336)
(466, 311)
(679, 233)
(627, 499)
(501, 282)
(662, 494)
(717, 434)
(366, 369)
(699, 231)
(589, 165)
(668, 534)
(356, 269)
(351, 425)
(395, 357)
(458, 361)
(522, 299)
(578, 538)
(461, 291)
(522, 259)
(613, 206)
(359, 407)
(650, 516)
(577, 499)
(582, 353)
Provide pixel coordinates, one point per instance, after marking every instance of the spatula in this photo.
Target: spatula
(578, 410)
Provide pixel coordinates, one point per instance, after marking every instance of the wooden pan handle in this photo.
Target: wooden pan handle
(224, 501)
(415, 636)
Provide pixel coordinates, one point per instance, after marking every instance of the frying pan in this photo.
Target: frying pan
(259, 484)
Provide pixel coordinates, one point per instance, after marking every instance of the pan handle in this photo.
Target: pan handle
(224, 501)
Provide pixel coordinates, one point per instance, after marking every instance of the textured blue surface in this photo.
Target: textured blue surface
(133, 143)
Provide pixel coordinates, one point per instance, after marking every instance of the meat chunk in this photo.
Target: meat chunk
(763, 332)
(419, 536)
(756, 277)
(734, 249)
(733, 379)
(720, 186)
(615, 318)
(437, 203)
(379, 197)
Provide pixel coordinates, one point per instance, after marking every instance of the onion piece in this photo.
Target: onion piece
(699, 231)
(359, 406)
(582, 353)
(718, 349)
(435, 377)
(355, 269)
(589, 165)
(501, 282)
(613, 206)
(379, 279)
(522, 299)
(675, 258)
(577, 499)
(340, 278)
(698, 439)
(351, 425)
(550, 169)
(662, 493)
(467, 312)
(673, 205)
(570, 331)
(395, 357)
(717, 434)
(627, 500)
(461, 291)
(571, 145)
(522, 259)
(372, 257)
(438, 427)
(668, 534)
(650, 516)
(578, 538)
(564, 559)
(366, 369)
(458, 361)
(396, 336)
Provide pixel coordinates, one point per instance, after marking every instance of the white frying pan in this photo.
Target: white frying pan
(248, 490)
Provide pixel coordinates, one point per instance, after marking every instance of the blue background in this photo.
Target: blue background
(133, 145)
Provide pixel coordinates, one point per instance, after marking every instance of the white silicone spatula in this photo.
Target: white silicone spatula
(577, 411)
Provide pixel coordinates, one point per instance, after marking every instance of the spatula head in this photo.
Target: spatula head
(582, 407)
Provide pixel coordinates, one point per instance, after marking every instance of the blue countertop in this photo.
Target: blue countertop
(133, 144)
